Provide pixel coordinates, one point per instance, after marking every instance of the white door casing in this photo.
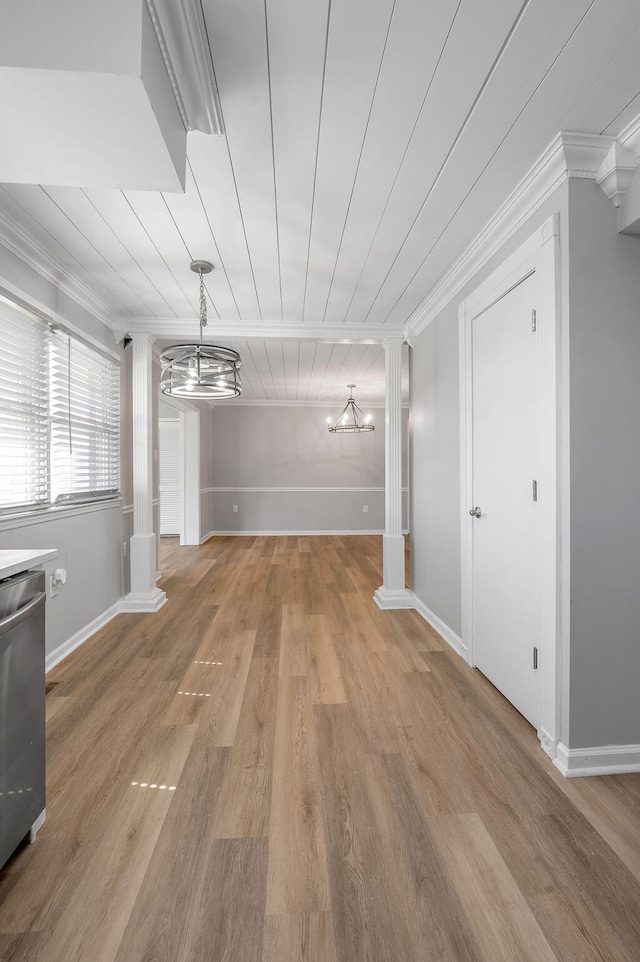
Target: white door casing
(536, 258)
(189, 501)
(505, 565)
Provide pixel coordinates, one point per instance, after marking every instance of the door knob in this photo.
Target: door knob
(475, 512)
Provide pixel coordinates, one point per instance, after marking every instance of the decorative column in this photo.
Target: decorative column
(393, 594)
(144, 595)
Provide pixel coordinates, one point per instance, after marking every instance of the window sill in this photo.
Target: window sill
(41, 515)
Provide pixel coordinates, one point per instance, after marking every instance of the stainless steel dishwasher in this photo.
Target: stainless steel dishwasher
(22, 727)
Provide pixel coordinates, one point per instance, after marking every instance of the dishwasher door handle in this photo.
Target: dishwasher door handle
(21, 614)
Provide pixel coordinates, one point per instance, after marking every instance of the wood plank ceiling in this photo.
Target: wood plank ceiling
(365, 144)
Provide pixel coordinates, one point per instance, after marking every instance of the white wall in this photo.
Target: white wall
(284, 470)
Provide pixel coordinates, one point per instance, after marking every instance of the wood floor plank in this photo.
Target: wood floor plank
(363, 922)
(362, 622)
(221, 713)
(324, 672)
(267, 641)
(577, 932)
(299, 938)
(245, 796)
(294, 655)
(297, 873)
(502, 922)
(426, 904)
(158, 927)
(84, 930)
(612, 805)
(361, 678)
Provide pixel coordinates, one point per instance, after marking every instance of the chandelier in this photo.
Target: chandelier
(351, 419)
(200, 370)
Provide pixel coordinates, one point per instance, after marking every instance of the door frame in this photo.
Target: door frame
(539, 255)
(189, 496)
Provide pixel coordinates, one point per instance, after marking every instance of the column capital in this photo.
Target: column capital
(142, 337)
(393, 340)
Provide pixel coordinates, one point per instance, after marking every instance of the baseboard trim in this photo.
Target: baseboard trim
(389, 600)
(150, 602)
(283, 534)
(600, 760)
(447, 633)
(60, 653)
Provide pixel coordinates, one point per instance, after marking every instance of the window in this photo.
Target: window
(24, 409)
(59, 417)
(84, 414)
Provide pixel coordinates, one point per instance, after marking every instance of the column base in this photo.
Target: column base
(388, 599)
(143, 601)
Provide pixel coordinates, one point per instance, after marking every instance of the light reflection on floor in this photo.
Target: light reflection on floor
(170, 788)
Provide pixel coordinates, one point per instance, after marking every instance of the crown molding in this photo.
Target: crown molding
(616, 172)
(179, 327)
(182, 37)
(20, 242)
(570, 154)
(629, 138)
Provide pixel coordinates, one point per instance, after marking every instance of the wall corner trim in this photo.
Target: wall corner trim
(445, 632)
(600, 760)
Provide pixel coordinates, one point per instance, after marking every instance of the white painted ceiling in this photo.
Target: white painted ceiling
(365, 144)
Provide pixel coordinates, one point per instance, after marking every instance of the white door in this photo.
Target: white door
(169, 471)
(505, 467)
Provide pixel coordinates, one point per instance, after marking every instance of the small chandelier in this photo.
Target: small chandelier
(200, 370)
(351, 419)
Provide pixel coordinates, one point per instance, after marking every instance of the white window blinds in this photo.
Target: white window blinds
(24, 403)
(59, 416)
(85, 416)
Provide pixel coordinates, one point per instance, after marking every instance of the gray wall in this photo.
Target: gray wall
(206, 470)
(88, 539)
(604, 279)
(88, 543)
(278, 448)
(435, 469)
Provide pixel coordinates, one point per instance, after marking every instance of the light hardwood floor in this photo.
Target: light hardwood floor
(271, 769)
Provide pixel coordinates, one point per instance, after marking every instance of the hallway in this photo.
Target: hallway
(270, 768)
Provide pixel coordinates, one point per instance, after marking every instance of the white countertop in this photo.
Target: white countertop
(12, 562)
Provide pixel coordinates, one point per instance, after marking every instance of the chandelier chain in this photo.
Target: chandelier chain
(203, 304)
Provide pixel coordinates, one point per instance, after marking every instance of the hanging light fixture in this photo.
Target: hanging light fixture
(200, 370)
(351, 419)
